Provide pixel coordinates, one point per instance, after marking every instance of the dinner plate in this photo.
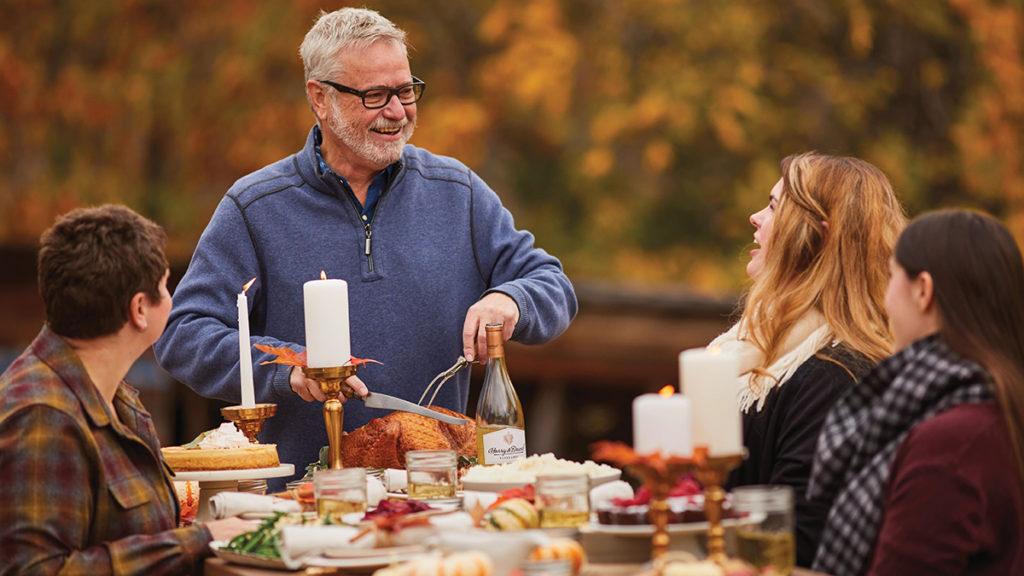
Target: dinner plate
(500, 486)
(341, 558)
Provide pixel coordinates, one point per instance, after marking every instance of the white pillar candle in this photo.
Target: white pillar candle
(708, 377)
(245, 349)
(328, 342)
(661, 423)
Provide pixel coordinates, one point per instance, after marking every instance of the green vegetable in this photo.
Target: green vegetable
(261, 542)
(320, 464)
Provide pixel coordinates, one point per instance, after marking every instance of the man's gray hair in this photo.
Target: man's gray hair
(343, 29)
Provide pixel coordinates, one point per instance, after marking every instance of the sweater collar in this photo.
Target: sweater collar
(308, 165)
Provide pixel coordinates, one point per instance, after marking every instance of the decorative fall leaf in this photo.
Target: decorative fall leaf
(477, 513)
(283, 355)
(361, 361)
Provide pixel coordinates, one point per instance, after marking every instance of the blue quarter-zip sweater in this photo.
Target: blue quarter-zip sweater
(438, 240)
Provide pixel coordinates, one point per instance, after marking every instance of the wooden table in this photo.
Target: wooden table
(217, 567)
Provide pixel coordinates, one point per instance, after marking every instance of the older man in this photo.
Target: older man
(428, 250)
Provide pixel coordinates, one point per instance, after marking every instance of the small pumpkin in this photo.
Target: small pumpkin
(458, 564)
(562, 549)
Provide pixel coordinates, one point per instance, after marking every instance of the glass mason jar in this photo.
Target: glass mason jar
(432, 474)
(768, 540)
(339, 492)
(563, 500)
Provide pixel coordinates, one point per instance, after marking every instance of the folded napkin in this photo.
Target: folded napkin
(375, 491)
(603, 494)
(298, 541)
(396, 480)
(228, 504)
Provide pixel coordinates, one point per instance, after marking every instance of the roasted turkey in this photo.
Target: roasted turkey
(383, 442)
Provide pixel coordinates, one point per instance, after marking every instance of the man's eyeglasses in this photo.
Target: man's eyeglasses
(375, 98)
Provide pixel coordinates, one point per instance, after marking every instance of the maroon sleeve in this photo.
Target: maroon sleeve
(933, 520)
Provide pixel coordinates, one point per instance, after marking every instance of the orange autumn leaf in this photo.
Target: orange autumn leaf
(615, 452)
(361, 361)
(282, 355)
(624, 456)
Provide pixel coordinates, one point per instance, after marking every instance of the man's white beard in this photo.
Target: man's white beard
(359, 140)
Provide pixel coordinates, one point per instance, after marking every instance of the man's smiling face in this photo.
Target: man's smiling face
(372, 137)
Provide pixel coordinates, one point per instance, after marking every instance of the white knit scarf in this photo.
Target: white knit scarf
(808, 335)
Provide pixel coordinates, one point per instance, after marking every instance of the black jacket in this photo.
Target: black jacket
(781, 437)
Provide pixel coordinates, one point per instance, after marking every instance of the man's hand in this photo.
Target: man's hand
(309, 390)
(491, 309)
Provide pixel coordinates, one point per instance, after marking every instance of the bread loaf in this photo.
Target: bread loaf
(383, 442)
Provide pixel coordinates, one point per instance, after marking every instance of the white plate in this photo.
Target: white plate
(342, 558)
(499, 486)
(647, 530)
(245, 474)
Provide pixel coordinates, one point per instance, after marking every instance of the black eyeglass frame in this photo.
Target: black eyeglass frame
(417, 85)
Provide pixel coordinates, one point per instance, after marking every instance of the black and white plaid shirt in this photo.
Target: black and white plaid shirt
(862, 433)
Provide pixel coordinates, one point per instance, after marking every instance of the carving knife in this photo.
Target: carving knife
(385, 402)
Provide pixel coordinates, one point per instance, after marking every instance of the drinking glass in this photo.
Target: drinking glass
(432, 474)
(768, 541)
(339, 492)
(563, 500)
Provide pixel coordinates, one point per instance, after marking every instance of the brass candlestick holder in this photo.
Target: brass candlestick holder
(661, 479)
(249, 419)
(660, 474)
(712, 474)
(332, 384)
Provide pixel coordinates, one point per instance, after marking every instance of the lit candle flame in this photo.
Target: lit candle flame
(247, 285)
(323, 275)
(667, 391)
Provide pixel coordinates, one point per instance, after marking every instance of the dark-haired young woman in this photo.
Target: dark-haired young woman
(926, 455)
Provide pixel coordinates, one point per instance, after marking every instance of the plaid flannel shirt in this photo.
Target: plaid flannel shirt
(81, 492)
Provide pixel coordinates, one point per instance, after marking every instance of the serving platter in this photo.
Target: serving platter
(500, 486)
(242, 474)
(647, 530)
(351, 558)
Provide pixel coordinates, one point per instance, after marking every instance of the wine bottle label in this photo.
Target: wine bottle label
(503, 446)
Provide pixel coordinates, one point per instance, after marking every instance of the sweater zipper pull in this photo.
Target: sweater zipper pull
(367, 246)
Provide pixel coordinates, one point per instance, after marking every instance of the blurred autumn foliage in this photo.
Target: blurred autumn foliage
(634, 138)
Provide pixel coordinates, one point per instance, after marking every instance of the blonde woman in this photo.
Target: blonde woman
(813, 320)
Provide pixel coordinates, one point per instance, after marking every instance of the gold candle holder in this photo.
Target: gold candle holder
(332, 384)
(660, 479)
(249, 419)
(712, 474)
(660, 474)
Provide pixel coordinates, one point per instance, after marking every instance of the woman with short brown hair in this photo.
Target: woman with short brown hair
(83, 489)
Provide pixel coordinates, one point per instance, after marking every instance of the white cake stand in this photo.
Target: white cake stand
(213, 482)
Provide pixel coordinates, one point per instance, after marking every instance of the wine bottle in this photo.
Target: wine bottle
(500, 424)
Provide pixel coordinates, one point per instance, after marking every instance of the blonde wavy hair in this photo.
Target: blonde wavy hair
(833, 233)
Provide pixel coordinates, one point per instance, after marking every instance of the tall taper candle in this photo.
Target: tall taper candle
(708, 377)
(328, 342)
(245, 349)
